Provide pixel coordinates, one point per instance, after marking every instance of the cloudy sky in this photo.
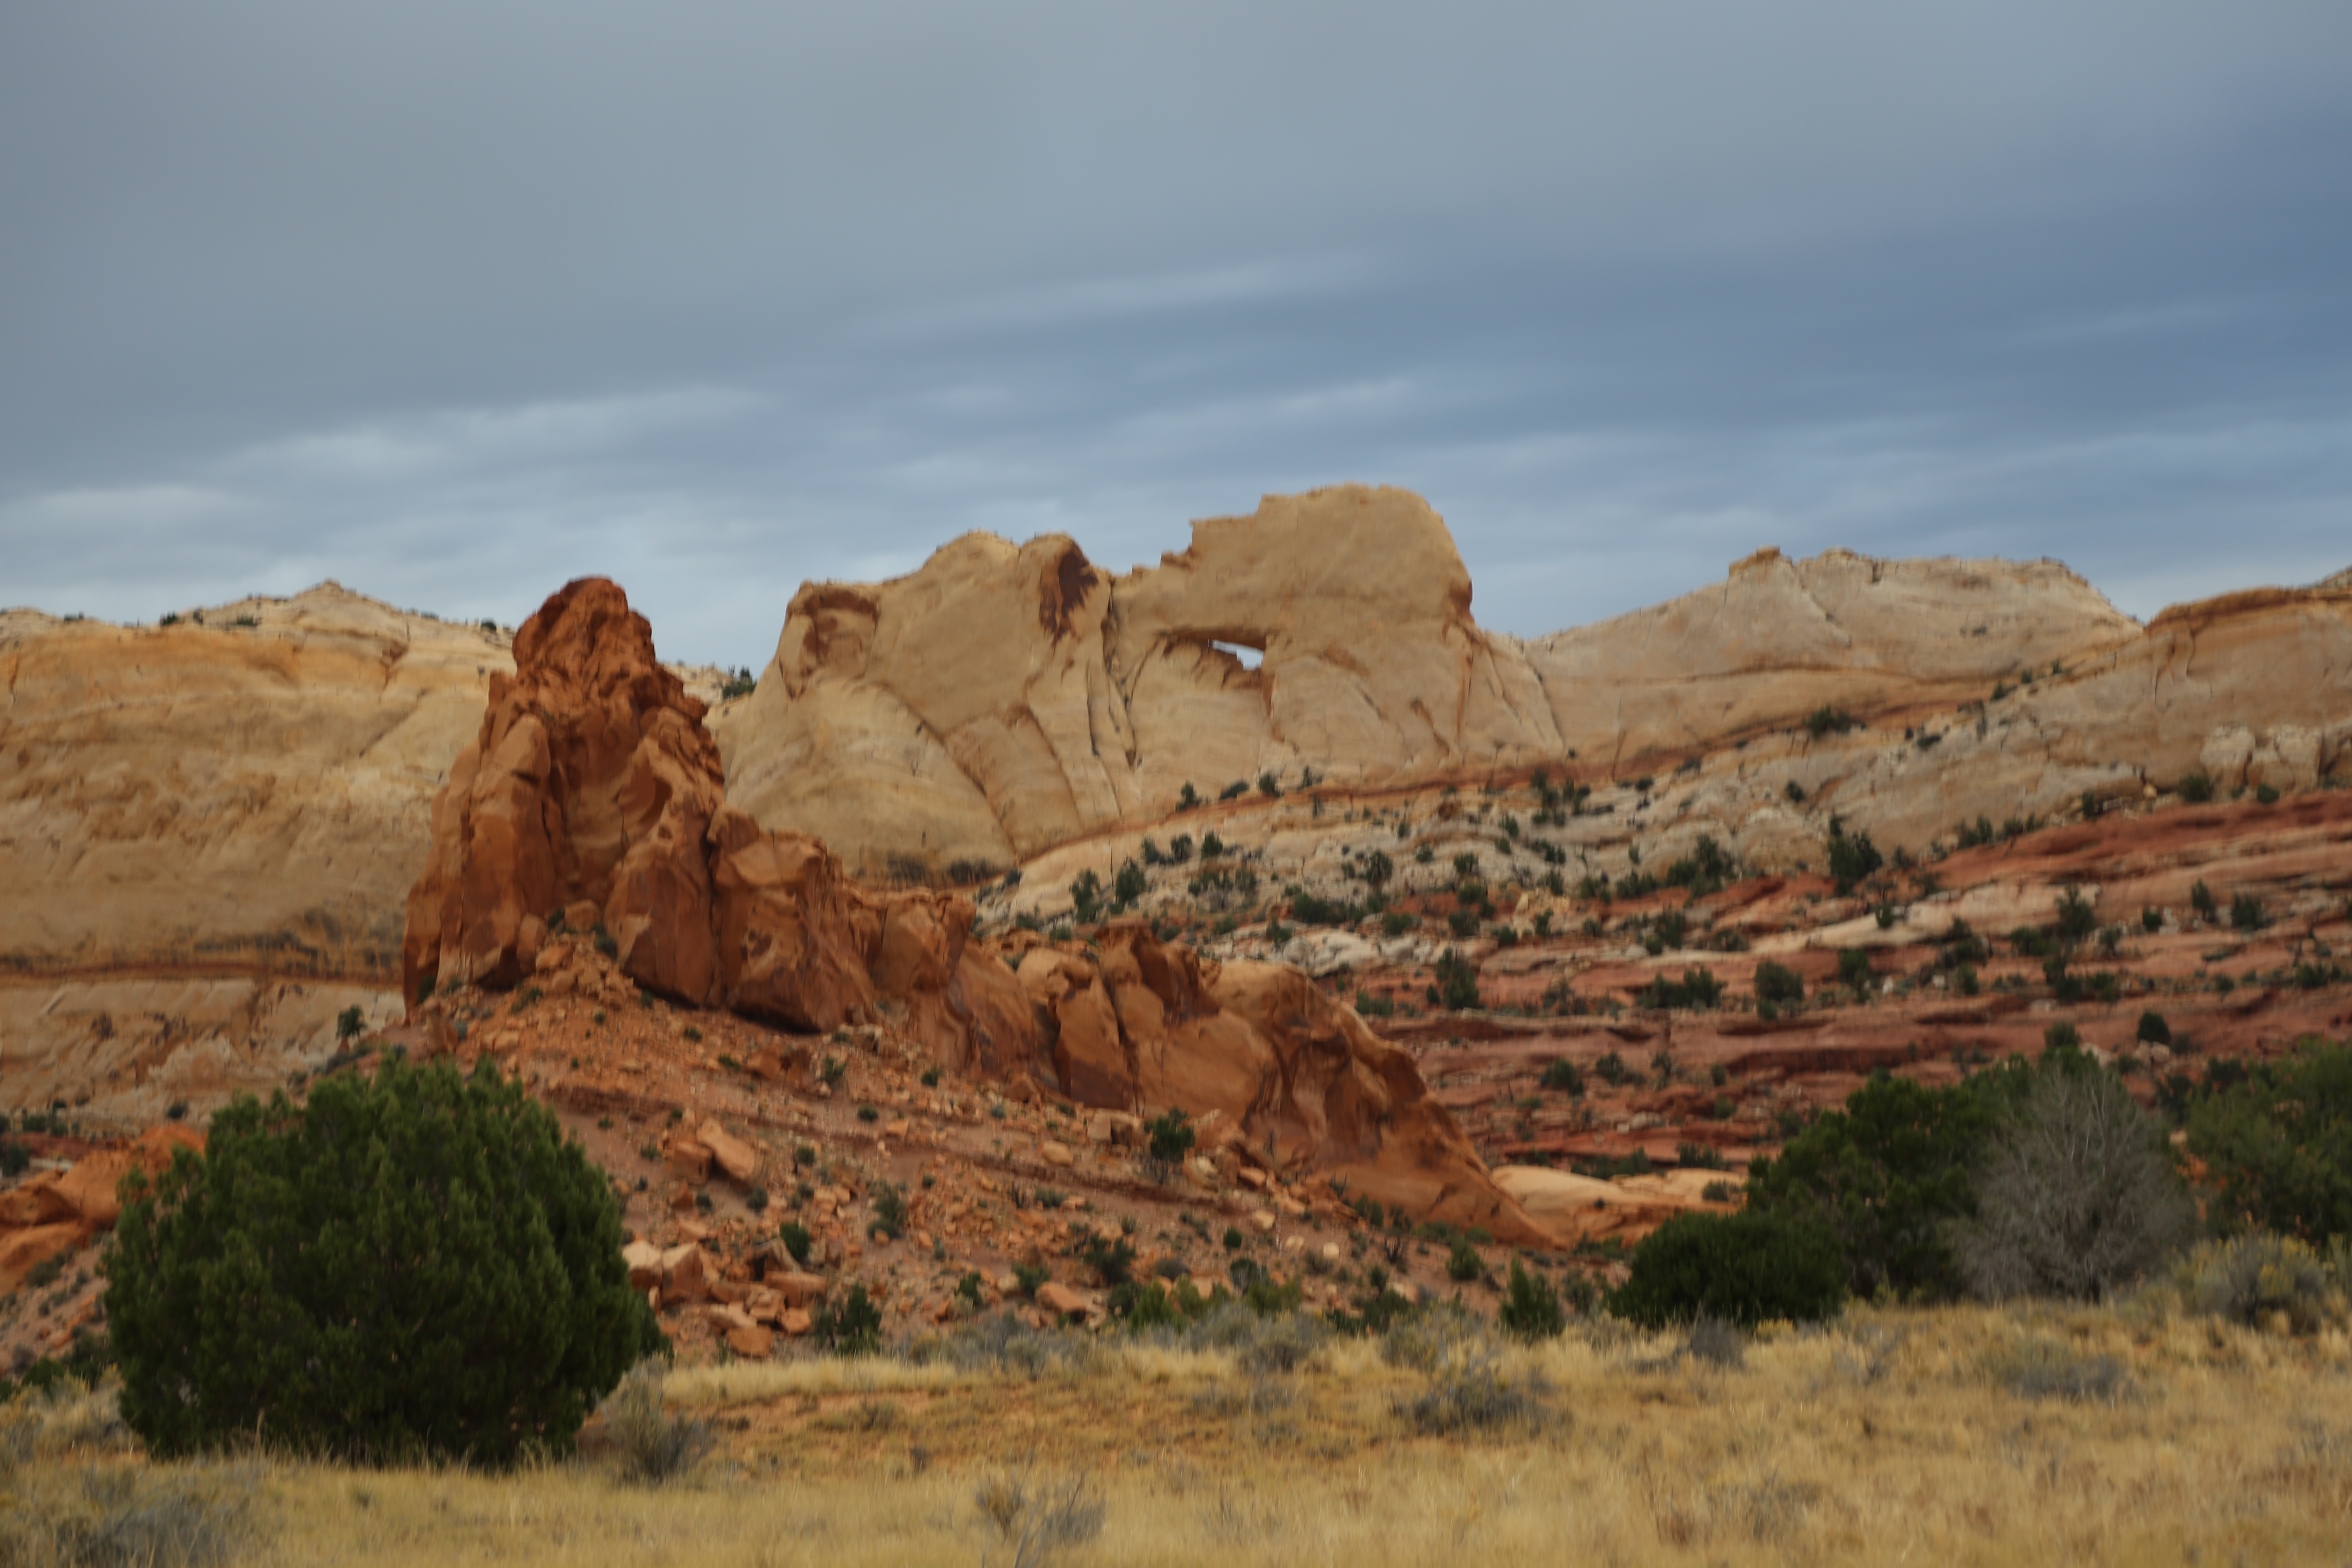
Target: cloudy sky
(455, 301)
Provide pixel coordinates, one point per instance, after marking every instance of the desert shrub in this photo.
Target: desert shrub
(1884, 1176)
(1747, 1269)
(349, 1024)
(2200, 899)
(1852, 858)
(1086, 897)
(1464, 1264)
(1612, 1069)
(2076, 1193)
(889, 1211)
(1778, 983)
(1457, 981)
(851, 1326)
(1169, 1138)
(1698, 989)
(1263, 1344)
(651, 1444)
(2044, 1369)
(796, 1239)
(2251, 1279)
(1530, 1309)
(1036, 1521)
(2246, 913)
(1562, 1078)
(2153, 1030)
(133, 1516)
(1853, 968)
(14, 1157)
(2277, 1144)
(1831, 722)
(412, 1263)
(2196, 788)
(1470, 1390)
(1112, 1261)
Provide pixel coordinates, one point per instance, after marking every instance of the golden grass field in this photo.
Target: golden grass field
(1892, 1435)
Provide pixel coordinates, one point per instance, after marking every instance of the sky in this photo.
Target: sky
(453, 302)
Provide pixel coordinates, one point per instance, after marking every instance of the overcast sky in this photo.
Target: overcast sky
(453, 302)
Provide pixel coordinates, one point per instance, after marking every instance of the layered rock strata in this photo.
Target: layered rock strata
(592, 797)
(1002, 700)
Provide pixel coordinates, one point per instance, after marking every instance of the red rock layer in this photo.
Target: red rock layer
(594, 789)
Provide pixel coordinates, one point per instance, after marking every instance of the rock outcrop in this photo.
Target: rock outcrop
(56, 1212)
(249, 793)
(592, 781)
(1779, 639)
(592, 797)
(1003, 699)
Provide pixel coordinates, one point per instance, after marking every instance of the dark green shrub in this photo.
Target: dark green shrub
(1853, 968)
(1562, 1078)
(1129, 885)
(1778, 983)
(1169, 1138)
(2277, 1144)
(1831, 722)
(1747, 1269)
(2267, 794)
(2196, 788)
(415, 1263)
(1112, 1261)
(2154, 1030)
(2200, 899)
(2246, 913)
(1884, 1176)
(1698, 989)
(1464, 1264)
(1530, 1310)
(2076, 919)
(853, 1328)
(889, 1211)
(1612, 1069)
(1457, 981)
(1852, 858)
(349, 1024)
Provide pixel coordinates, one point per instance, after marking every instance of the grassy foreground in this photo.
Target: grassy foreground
(1956, 1435)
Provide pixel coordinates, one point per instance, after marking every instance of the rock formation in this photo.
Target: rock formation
(54, 1214)
(1003, 700)
(226, 795)
(1779, 639)
(592, 797)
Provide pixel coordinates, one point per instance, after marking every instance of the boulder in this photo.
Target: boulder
(687, 1274)
(22, 1251)
(797, 1289)
(737, 1158)
(1062, 1301)
(644, 1261)
(689, 1160)
(751, 1341)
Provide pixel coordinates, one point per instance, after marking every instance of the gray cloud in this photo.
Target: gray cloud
(455, 302)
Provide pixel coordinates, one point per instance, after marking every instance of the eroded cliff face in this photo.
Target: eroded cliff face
(1000, 699)
(592, 797)
(1002, 702)
(226, 795)
(1779, 639)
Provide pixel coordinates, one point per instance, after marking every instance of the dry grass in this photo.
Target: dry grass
(1957, 1436)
